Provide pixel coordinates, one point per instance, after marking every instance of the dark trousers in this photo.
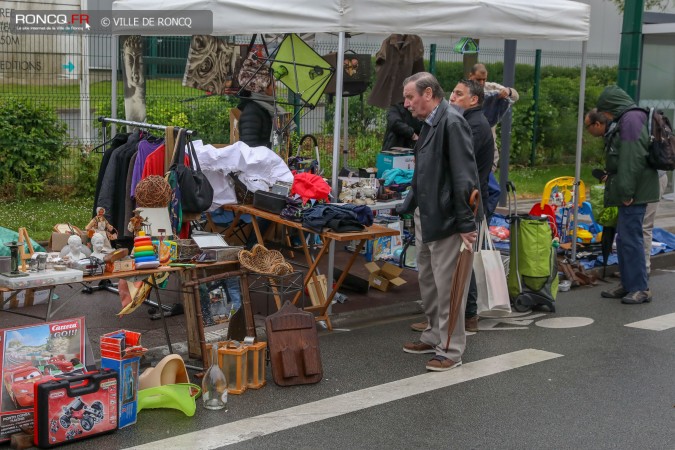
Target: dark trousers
(630, 248)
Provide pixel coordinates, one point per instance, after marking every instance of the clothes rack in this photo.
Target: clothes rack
(106, 120)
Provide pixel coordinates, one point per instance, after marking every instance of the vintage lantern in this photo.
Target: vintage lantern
(232, 358)
(256, 365)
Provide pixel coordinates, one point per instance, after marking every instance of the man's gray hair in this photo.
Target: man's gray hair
(424, 80)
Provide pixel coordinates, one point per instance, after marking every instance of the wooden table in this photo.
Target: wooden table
(193, 316)
(372, 232)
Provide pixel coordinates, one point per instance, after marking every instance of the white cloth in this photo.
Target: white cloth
(258, 168)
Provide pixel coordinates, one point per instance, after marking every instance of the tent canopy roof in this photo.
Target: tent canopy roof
(501, 19)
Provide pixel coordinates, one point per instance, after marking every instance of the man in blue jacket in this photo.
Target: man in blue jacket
(444, 178)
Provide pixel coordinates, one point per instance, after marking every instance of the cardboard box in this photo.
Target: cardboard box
(121, 351)
(313, 293)
(28, 297)
(382, 277)
(59, 240)
(27, 357)
(387, 245)
(387, 161)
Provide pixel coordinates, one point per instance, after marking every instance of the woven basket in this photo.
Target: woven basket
(187, 249)
(267, 262)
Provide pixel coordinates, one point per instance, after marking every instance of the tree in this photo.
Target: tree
(649, 4)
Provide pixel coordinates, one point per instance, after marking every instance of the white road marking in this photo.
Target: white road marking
(252, 427)
(658, 323)
(564, 322)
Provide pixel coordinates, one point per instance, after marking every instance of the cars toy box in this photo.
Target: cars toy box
(121, 351)
(77, 407)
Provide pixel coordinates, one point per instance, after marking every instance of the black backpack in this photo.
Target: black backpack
(661, 154)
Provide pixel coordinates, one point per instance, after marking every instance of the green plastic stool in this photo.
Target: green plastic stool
(181, 396)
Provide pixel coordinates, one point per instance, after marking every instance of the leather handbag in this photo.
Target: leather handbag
(195, 189)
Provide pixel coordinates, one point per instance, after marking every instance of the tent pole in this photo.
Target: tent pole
(345, 131)
(113, 74)
(580, 131)
(336, 149)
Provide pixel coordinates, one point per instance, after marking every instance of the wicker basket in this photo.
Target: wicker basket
(187, 249)
(267, 262)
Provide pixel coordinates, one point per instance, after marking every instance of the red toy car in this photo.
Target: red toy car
(19, 381)
(77, 410)
(62, 363)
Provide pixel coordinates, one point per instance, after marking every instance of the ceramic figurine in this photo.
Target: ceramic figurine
(100, 223)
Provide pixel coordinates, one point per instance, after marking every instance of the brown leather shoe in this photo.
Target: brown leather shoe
(471, 324)
(419, 326)
(440, 364)
(418, 347)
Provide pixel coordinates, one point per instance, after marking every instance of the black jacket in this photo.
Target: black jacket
(445, 176)
(255, 124)
(483, 148)
(401, 126)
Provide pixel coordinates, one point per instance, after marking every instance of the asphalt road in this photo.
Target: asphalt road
(596, 386)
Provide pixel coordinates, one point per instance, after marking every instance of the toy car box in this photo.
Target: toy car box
(77, 407)
(121, 351)
(28, 356)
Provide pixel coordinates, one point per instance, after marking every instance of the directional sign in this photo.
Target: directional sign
(70, 66)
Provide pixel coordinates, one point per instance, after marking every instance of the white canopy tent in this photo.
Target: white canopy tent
(501, 19)
(505, 19)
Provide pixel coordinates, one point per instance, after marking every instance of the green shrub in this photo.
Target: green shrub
(86, 173)
(32, 139)
(209, 116)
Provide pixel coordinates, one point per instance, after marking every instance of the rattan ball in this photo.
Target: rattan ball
(153, 192)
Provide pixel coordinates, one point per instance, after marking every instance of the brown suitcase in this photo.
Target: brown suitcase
(294, 347)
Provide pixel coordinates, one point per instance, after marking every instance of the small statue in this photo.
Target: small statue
(100, 223)
(136, 223)
(98, 245)
(75, 250)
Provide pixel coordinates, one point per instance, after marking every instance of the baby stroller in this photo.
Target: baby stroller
(533, 274)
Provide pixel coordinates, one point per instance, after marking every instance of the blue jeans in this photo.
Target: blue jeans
(233, 291)
(630, 248)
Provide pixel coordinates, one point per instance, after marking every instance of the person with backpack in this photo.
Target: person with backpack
(630, 185)
(597, 125)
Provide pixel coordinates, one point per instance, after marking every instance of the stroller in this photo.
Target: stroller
(533, 273)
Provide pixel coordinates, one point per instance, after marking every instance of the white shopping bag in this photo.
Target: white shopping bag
(493, 293)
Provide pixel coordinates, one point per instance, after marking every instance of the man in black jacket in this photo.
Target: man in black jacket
(468, 95)
(468, 98)
(445, 176)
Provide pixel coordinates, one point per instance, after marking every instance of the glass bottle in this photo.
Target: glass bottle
(214, 384)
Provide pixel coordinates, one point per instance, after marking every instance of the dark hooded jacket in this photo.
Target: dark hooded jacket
(626, 142)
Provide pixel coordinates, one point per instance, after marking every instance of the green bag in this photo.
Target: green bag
(535, 256)
(607, 217)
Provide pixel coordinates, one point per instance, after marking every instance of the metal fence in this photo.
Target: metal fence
(72, 75)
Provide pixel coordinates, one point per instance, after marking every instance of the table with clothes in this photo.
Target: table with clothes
(331, 223)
